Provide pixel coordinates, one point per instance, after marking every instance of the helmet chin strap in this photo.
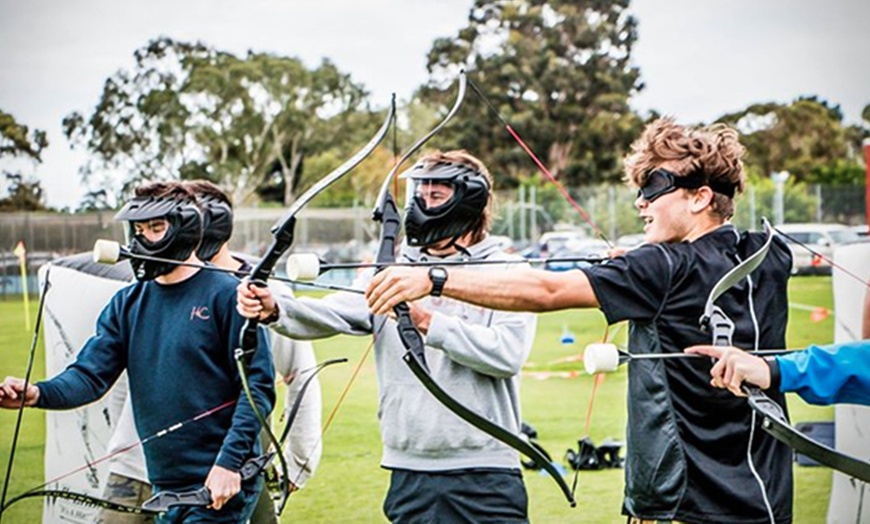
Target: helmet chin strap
(452, 244)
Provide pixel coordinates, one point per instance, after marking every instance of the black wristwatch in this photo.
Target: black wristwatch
(438, 276)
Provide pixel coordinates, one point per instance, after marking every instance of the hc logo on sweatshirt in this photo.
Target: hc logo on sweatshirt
(200, 313)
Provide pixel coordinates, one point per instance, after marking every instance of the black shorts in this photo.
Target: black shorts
(467, 495)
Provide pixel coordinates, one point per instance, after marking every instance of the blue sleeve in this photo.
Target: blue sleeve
(96, 368)
(824, 375)
(244, 433)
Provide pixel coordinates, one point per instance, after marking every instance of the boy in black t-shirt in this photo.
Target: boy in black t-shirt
(694, 454)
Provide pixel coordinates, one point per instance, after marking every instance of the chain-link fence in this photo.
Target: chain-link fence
(349, 234)
(525, 214)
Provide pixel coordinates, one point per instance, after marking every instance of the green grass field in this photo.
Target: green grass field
(349, 485)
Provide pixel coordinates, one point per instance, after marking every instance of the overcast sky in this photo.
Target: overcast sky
(698, 59)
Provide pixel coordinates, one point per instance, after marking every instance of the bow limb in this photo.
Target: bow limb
(91, 500)
(774, 420)
(166, 500)
(253, 466)
(80, 498)
(387, 214)
(282, 240)
(45, 287)
(731, 278)
(776, 423)
(297, 403)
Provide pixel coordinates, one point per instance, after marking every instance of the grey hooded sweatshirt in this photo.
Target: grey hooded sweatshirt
(474, 354)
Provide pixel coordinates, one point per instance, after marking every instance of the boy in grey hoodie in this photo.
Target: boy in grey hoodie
(442, 468)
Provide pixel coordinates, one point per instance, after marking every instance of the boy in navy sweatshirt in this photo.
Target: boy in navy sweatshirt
(174, 331)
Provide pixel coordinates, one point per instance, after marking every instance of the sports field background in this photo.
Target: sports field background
(349, 485)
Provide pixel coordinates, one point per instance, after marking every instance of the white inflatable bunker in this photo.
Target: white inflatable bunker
(850, 499)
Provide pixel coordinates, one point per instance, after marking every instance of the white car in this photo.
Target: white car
(821, 239)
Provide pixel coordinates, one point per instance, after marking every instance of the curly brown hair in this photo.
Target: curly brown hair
(713, 150)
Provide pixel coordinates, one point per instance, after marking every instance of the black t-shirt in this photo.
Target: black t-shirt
(687, 441)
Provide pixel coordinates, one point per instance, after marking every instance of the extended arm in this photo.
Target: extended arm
(521, 289)
(97, 366)
(305, 318)
(828, 374)
(819, 374)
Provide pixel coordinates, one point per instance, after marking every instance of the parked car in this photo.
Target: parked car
(862, 231)
(821, 238)
(555, 241)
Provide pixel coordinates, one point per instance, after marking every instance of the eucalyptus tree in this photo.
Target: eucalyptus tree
(187, 110)
(18, 142)
(806, 137)
(559, 70)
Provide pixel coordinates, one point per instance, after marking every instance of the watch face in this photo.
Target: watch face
(438, 272)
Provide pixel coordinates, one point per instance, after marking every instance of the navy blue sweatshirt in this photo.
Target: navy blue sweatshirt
(176, 343)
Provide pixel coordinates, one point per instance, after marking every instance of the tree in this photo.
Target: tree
(558, 70)
(187, 110)
(25, 194)
(16, 142)
(96, 200)
(807, 138)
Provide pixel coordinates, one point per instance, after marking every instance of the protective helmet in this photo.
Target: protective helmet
(465, 196)
(182, 236)
(217, 226)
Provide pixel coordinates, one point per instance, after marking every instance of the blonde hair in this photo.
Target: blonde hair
(714, 151)
(460, 156)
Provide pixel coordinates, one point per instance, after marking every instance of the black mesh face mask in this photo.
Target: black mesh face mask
(182, 236)
(444, 201)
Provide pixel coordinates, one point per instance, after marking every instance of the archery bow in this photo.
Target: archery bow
(94, 501)
(387, 214)
(81, 498)
(282, 239)
(774, 420)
